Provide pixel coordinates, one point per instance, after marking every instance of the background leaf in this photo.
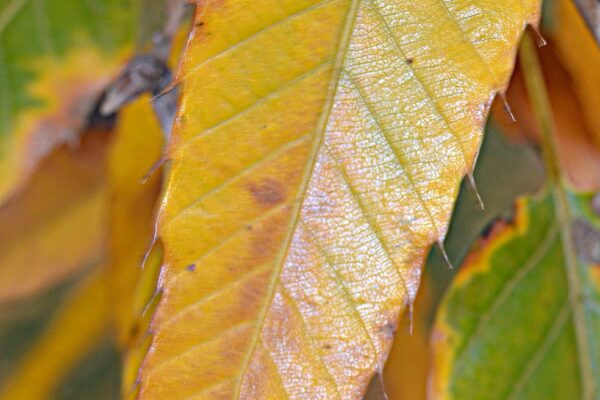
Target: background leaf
(55, 58)
(132, 206)
(69, 336)
(506, 328)
(305, 126)
(50, 234)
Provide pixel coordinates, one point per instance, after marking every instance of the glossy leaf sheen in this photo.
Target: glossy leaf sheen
(316, 157)
(507, 329)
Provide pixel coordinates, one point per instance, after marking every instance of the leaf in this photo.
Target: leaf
(504, 171)
(113, 286)
(579, 157)
(521, 319)
(315, 158)
(406, 371)
(70, 335)
(132, 206)
(55, 58)
(573, 40)
(49, 234)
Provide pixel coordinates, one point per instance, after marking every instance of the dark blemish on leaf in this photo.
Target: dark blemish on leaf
(134, 331)
(248, 227)
(388, 330)
(268, 192)
(327, 347)
(410, 60)
(199, 24)
(191, 267)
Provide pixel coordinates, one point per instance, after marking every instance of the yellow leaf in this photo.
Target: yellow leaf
(71, 334)
(316, 157)
(49, 233)
(137, 145)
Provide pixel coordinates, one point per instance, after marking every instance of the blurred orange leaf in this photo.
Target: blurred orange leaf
(316, 157)
(579, 53)
(56, 225)
(579, 158)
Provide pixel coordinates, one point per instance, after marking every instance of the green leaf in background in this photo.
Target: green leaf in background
(522, 317)
(55, 58)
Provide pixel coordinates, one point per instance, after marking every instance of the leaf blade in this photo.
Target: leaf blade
(514, 290)
(296, 242)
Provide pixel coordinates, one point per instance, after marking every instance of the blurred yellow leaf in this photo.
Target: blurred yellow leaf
(56, 225)
(108, 300)
(55, 59)
(70, 335)
(316, 157)
(136, 147)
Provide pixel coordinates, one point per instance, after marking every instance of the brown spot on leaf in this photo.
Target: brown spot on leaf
(268, 192)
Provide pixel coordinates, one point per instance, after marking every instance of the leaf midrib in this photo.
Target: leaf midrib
(341, 53)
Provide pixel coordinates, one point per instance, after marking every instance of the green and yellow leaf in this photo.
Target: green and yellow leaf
(55, 58)
(316, 157)
(522, 318)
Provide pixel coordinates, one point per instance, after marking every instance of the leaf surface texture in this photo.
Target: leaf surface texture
(316, 157)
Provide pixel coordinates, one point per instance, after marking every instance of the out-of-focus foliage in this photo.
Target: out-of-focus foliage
(521, 318)
(55, 58)
(570, 62)
(60, 194)
(56, 225)
(67, 338)
(132, 206)
(105, 305)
